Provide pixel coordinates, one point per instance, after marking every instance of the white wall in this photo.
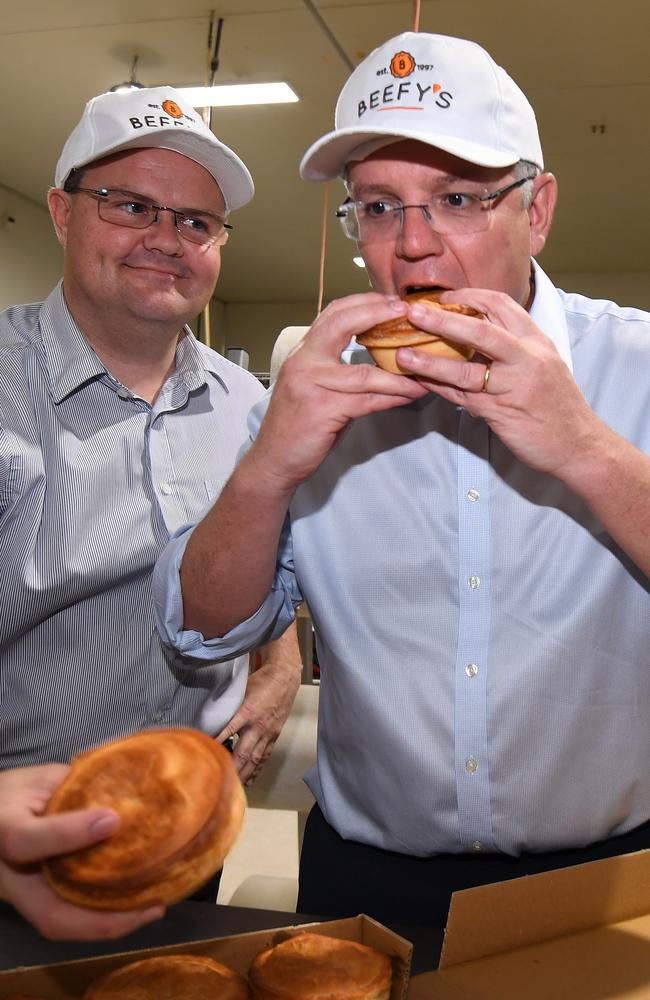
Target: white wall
(30, 256)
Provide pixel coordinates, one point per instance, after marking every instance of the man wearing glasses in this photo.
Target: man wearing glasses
(472, 539)
(117, 427)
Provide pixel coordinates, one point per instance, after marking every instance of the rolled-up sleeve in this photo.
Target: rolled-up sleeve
(270, 620)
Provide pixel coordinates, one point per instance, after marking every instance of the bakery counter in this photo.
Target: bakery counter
(21, 945)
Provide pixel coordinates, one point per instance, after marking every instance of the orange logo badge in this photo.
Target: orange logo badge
(402, 64)
(172, 108)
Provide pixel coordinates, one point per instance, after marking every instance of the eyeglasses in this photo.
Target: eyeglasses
(449, 212)
(126, 208)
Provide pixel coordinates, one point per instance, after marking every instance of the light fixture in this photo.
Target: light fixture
(232, 95)
(130, 84)
(359, 261)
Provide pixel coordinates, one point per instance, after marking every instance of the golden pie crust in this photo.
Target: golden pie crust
(383, 339)
(317, 967)
(170, 977)
(181, 806)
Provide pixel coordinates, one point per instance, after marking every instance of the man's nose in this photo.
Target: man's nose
(162, 234)
(418, 236)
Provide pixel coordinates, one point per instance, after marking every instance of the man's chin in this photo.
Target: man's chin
(162, 308)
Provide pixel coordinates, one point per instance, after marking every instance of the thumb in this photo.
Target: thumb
(232, 729)
(48, 836)
(229, 733)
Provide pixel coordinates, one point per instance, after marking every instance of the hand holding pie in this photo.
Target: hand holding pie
(181, 805)
(383, 339)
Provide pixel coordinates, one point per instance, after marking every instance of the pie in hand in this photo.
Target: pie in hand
(181, 806)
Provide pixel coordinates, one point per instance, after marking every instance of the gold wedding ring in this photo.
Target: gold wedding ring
(486, 377)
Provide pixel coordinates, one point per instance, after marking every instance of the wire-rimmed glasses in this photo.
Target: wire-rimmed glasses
(450, 212)
(126, 208)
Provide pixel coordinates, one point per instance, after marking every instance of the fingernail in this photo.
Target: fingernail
(420, 311)
(396, 303)
(104, 823)
(406, 354)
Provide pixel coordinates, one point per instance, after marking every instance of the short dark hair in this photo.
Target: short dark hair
(74, 179)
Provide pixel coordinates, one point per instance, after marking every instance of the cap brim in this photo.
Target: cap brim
(230, 173)
(327, 157)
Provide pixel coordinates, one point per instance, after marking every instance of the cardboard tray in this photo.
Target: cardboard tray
(582, 933)
(68, 980)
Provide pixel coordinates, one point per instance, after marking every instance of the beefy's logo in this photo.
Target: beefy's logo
(174, 115)
(403, 94)
(172, 108)
(402, 64)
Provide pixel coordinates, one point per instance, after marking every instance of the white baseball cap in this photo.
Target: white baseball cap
(446, 92)
(153, 116)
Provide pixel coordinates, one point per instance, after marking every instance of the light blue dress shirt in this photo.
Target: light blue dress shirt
(483, 643)
(93, 480)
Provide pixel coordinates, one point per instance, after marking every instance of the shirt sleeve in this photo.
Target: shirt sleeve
(270, 620)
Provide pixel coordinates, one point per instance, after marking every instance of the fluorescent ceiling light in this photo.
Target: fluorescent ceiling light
(359, 261)
(238, 94)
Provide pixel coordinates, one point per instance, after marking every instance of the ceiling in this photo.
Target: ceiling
(583, 63)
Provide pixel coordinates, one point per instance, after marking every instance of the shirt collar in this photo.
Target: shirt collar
(548, 314)
(194, 360)
(194, 363)
(71, 361)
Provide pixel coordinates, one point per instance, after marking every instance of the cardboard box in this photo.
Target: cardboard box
(68, 980)
(581, 933)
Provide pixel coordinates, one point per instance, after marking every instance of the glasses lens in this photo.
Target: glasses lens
(347, 216)
(371, 221)
(123, 210)
(458, 212)
(201, 229)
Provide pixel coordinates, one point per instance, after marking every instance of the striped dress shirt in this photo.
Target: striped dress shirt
(93, 480)
(483, 642)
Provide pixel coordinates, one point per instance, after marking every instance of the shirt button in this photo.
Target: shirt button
(165, 489)
(123, 393)
(471, 670)
(473, 495)
(477, 846)
(474, 582)
(471, 765)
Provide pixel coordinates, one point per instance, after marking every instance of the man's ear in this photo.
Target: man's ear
(59, 204)
(541, 211)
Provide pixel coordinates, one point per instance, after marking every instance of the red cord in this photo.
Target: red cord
(321, 277)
